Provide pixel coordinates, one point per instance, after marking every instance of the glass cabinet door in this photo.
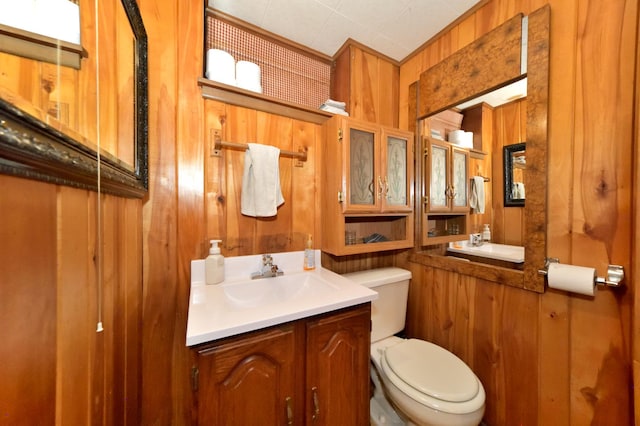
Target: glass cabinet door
(460, 179)
(396, 183)
(439, 189)
(362, 170)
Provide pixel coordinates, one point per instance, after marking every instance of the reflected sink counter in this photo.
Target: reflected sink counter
(240, 304)
(514, 254)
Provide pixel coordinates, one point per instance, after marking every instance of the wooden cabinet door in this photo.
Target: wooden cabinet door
(459, 180)
(252, 380)
(362, 177)
(397, 176)
(447, 183)
(338, 368)
(437, 186)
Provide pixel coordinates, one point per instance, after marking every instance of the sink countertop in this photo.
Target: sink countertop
(503, 252)
(239, 304)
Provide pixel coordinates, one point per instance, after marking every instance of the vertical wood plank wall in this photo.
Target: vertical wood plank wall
(64, 261)
(56, 369)
(553, 358)
(550, 359)
(509, 127)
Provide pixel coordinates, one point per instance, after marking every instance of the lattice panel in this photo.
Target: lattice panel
(285, 73)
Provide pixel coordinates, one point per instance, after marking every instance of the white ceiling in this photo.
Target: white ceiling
(394, 28)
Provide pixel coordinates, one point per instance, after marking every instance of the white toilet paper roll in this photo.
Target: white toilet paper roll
(575, 279)
(248, 76)
(221, 67)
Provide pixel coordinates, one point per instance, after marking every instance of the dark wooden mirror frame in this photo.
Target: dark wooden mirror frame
(507, 166)
(459, 78)
(32, 149)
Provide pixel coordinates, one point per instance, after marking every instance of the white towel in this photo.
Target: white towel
(476, 198)
(519, 195)
(261, 192)
(333, 109)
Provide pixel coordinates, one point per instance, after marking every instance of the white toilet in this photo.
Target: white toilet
(426, 383)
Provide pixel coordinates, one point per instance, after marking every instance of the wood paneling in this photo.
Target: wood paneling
(368, 82)
(509, 127)
(67, 265)
(568, 354)
(297, 217)
(543, 359)
(28, 302)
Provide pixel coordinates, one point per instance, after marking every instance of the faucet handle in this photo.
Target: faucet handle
(267, 259)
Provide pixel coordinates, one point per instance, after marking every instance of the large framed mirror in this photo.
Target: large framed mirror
(59, 140)
(516, 49)
(514, 164)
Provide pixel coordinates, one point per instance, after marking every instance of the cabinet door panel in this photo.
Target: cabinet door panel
(362, 178)
(338, 369)
(398, 173)
(460, 178)
(438, 178)
(247, 381)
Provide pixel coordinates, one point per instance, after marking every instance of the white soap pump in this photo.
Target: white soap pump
(486, 233)
(214, 264)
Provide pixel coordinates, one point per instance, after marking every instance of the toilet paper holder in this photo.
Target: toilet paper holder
(615, 273)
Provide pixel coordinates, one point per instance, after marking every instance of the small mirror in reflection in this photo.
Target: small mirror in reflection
(515, 164)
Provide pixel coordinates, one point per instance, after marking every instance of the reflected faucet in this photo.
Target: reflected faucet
(475, 240)
(267, 268)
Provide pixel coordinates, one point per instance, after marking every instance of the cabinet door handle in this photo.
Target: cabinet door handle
(380, 187)
(289, 410)
(386, 187)
(372, 187)
(316, 404)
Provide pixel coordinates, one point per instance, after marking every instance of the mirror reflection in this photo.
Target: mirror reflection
(96, 109)
(455, 80)
(514, 164)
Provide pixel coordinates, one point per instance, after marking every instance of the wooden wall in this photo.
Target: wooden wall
(59, 269)
(553, 358)
(70, 257)
(543, 359)
(509, 127)
(298, 217)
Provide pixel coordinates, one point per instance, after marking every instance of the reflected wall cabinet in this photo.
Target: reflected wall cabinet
(448, 177)
(294, 373)
(367, 178)
(446, 191)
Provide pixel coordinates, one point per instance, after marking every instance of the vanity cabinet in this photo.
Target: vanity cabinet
(313, 371)
(367, 178)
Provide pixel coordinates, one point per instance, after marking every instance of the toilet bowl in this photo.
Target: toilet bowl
(427, 384)
(449, 394)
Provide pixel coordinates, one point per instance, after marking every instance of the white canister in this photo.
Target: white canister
(221, 67)
(248, 76)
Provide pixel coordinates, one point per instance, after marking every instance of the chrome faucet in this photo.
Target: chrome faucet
(267, 268)
(475, 240)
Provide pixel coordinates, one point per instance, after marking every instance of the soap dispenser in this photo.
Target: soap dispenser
(309, 255)
(486, 233)
(214, 264)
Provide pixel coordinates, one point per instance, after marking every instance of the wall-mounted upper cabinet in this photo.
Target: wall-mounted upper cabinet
(446, 189)
(378, 165)
(368, 82)
(367, 187)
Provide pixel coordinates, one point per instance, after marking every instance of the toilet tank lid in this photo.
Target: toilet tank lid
(375, 277)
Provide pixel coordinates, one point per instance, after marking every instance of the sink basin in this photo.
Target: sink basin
(240, 304)
(285, 288)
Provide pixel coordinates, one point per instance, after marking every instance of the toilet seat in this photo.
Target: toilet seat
(450, 387)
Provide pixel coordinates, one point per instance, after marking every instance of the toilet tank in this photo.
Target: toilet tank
(388, 311)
